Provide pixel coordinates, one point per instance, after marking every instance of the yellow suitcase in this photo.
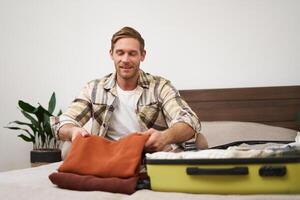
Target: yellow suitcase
(272, 175)
(226, 176)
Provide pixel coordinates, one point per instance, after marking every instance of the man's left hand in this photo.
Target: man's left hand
(156, 142)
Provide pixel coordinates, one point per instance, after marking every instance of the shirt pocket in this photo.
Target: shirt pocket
(149, 113)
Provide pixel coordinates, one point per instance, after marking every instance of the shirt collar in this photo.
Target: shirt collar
(143, 81)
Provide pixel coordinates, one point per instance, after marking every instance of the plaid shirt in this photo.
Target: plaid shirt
(159, 105)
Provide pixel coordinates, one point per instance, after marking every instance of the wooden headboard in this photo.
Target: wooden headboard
(276, 106)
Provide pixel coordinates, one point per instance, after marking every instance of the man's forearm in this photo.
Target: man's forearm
(178, 133)
(181, 132)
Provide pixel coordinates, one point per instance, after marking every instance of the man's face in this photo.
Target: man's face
(127, 57)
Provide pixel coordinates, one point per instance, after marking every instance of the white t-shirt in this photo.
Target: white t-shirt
(124, 118)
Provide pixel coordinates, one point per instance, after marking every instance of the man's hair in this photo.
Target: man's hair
(127, 32)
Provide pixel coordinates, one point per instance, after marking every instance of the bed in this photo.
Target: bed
(227, 115)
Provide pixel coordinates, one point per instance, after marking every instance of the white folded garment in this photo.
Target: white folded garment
(240, 151)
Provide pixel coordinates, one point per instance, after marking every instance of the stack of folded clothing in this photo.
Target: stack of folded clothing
(97, 164)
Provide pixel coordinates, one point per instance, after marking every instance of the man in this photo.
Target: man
(131, 100)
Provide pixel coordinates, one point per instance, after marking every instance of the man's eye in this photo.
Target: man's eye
(133, 53)
(119, 53)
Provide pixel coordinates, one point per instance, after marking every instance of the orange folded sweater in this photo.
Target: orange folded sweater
(97, 156)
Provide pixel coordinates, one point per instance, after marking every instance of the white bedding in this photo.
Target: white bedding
(33, 183)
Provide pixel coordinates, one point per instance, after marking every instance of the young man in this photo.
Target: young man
(131, 100)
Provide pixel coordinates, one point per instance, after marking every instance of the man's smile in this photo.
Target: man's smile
(126, 67)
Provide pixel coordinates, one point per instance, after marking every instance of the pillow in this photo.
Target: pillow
(97, 156)
(224, 132)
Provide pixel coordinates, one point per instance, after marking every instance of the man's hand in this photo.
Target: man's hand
(70, 132)
(75, 131)
(156, 142)
(178, 133)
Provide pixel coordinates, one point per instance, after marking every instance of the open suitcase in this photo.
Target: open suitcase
(280, 175)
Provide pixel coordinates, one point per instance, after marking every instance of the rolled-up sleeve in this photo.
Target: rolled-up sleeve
(78, 113)
(176, 109)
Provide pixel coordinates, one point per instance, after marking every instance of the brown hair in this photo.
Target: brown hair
(127, 32)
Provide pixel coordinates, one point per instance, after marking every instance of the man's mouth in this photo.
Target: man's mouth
(126, 67)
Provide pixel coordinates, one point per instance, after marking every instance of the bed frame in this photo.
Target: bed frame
(276, 106)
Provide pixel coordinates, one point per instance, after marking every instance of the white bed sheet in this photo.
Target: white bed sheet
(34, 184)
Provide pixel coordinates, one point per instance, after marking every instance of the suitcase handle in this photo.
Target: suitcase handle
(272, 171)
(217, 171)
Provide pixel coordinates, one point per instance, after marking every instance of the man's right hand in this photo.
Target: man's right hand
(70, 132)
(75, 131)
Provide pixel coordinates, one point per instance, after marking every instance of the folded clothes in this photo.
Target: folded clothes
(91, 183)
(97, 156)
(240, 151)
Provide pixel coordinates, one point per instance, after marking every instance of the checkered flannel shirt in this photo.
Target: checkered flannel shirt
(159, 105)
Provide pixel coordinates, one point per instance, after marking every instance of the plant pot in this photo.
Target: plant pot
(44, 156)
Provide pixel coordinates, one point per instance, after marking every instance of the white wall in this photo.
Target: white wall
(59, 45)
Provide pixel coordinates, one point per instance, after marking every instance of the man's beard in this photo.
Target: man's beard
(133, 72)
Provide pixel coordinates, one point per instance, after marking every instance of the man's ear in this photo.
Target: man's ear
(143, 55)
(111, 54)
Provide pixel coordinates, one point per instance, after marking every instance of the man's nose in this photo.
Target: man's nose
(125, 58)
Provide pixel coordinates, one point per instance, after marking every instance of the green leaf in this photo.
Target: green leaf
(52, 102)
(39, 113)
(26, 106)
(23, 129)
(31, 118)
(48, 130)
(33, 128)
(43, 139)
(17, 128)
(12, 127)
(27, 139)
(46, 124)
(47, 133)
(19, 122)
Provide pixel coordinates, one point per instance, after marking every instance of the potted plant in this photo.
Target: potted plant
(38, 131)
